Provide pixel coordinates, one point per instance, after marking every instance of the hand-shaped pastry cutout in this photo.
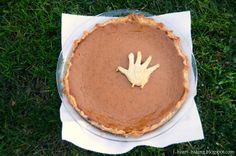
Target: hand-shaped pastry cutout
(138, 74)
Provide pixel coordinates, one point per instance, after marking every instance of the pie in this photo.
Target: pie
(105, 97)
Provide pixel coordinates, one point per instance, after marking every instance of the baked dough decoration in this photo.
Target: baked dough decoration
(138, 74)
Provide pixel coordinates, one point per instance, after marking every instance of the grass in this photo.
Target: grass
(30, 45)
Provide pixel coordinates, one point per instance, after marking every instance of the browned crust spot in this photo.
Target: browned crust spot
(145, 21)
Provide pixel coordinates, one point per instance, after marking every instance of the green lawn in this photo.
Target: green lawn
(29, 48)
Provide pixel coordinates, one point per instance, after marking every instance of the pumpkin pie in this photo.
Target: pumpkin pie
(127, 76)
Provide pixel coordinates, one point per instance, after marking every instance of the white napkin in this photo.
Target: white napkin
(188, 128)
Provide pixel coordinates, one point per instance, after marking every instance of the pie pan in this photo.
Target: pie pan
(62, 65)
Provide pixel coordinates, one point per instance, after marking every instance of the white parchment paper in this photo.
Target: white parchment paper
(185, 126)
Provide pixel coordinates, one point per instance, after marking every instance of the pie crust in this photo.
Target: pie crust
(138, 19)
